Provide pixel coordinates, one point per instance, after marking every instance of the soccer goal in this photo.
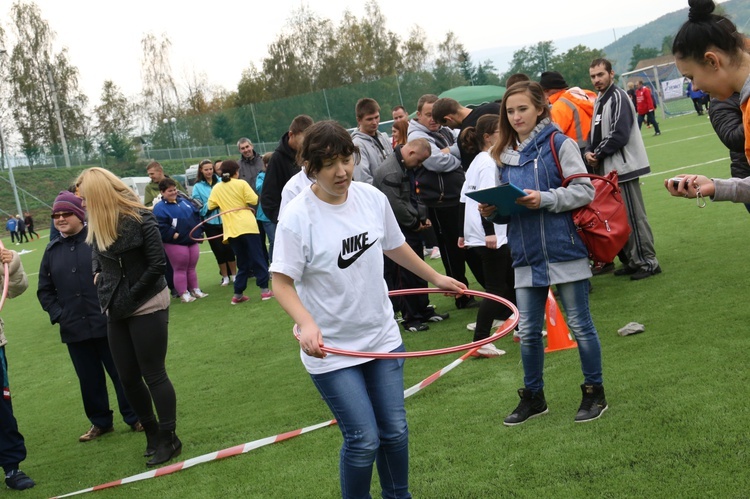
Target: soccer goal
(667, 86)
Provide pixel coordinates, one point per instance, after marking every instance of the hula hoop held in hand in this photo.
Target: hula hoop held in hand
(6, 269)
(200, 240)
(504, 330)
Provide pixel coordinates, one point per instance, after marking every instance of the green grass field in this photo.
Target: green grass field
(677, 424)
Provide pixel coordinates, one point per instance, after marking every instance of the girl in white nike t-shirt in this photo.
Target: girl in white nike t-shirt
(328, 276)
(484, 238)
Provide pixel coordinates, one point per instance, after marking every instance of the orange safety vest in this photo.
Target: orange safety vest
(572, 110)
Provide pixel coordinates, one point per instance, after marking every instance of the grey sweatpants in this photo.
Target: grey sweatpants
(640, 245)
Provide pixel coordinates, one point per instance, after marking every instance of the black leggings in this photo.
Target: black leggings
(222, 252)
(139, 348)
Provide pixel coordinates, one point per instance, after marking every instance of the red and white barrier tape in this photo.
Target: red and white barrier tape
(244, 448)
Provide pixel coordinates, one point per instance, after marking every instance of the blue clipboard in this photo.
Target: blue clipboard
(502, 196)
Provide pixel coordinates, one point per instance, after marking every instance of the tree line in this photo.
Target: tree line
(314, 66)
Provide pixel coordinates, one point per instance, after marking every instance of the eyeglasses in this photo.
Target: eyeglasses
(63, 214)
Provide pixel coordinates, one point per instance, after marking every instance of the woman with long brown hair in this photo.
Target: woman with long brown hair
(545, 246)
(128, 266)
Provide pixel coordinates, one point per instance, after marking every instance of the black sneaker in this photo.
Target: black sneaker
(593, 404)
(532, 405)
(643, 274)
(466, 302)
(625, 271)
(415, 326)
(602, 268)
(18, 480)
(436, 317)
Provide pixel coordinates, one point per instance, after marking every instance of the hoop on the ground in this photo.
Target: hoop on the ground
(6, 270)
(502, 331)
(200, 240)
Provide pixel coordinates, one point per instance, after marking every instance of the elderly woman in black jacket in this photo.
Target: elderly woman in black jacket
(128, 265)
(68, 295)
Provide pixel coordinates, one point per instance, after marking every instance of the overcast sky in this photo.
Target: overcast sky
(222, 37)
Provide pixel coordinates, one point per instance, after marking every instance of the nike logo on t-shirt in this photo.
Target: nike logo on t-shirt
(359, 243)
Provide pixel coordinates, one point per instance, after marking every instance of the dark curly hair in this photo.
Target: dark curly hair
(325, 140)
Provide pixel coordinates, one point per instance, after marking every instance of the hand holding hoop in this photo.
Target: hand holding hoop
(504, 330)
(200, 240)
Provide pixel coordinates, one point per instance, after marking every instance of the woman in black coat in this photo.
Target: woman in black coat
(128, 265)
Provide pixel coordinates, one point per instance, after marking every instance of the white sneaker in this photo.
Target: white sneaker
(435, 254)
(232, 278)
(225, 281)
(427, 251)
(472, 326)
(187, 297)
(489, 350)
(198, 293)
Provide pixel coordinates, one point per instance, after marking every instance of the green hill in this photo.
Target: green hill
(653, 33)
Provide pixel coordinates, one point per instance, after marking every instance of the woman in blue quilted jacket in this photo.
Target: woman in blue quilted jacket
(545, 247)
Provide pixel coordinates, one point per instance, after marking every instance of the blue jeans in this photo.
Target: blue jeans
(367, 400)
(575, 300)
(270, 229)
(249, 254)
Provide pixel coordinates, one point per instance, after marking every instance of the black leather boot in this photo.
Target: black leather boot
(151, 429)
(169, 446)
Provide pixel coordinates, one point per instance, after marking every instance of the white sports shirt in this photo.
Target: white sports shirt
(334, 254)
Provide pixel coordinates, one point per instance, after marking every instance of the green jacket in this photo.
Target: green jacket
(152, 192)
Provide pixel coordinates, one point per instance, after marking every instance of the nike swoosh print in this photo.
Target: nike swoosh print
(346, 262)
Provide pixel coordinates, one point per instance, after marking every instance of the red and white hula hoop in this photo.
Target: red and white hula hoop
(6, 269)
(504, 330)
(200, 240)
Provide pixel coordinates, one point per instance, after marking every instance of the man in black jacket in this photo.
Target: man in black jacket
(392, 178)
(283, 166)
(67, 293)
(448, 112)
(726, 118)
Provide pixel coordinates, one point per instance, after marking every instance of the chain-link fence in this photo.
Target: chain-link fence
(214, 135)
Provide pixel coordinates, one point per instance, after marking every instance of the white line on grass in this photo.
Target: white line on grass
(684, 167)
(681, 140)
(702, 123)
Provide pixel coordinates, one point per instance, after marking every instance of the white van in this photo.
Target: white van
(191, 177)
(138, 184)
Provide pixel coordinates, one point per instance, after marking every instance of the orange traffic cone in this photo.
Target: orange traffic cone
(558, 334)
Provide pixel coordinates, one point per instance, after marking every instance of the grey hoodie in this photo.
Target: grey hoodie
(438, 161)
(370, 155)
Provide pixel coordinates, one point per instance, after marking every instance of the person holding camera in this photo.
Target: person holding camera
(392, 179)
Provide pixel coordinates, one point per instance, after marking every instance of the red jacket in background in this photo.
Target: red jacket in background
(643, 101)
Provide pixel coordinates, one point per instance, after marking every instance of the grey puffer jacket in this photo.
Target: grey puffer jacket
(131, 270)
(17, 284)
